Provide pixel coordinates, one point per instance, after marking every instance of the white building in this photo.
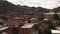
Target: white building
(49, 15)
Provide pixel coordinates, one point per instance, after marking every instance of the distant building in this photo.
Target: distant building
(50, 14)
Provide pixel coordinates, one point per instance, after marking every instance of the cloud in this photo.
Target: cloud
(50, 4)
(14, 1)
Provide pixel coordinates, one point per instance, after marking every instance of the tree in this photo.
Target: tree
(56, 16)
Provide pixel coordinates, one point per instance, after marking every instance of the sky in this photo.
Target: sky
(49, 4)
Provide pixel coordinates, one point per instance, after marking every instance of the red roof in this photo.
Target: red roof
(14, 22)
